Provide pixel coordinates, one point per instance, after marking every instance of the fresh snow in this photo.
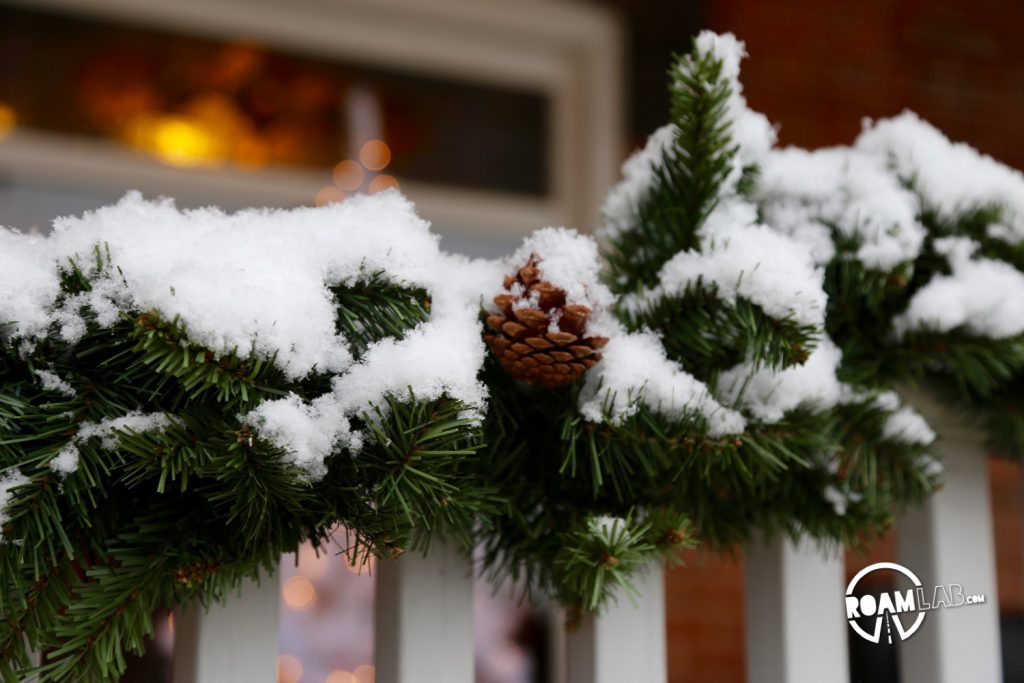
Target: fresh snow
(951, 177)
(8, 481)
(27, 282)
(107, 430)
(983, 296)
(750, 130)
(907, 426)
(769, 394)
(52, 382)
(639, 174)
(635, 370)
(570, 261)
(308, 432)
(259, 280)
(744, 260)
(841, 500)
(66, 460)
(803, 193)
(254, 279)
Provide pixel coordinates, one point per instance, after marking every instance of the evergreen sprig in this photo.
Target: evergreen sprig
(156, 518)
(688, 183)
(709, 334)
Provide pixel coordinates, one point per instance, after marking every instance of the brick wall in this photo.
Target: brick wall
(818, 68)
(704, 612)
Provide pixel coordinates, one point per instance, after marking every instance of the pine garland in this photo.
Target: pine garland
(656, 394)
(188, 511)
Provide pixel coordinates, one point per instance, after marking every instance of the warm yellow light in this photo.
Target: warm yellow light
(170, 622)
(298, 593)
(383, 182)
(340, 676)
(329, 195)
(348, 175)
(251, 151)
(8, 120)
(289, 669)
(182, 142)
(375, 155)
(365, 673)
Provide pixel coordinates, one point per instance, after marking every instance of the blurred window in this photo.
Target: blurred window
(201, 101)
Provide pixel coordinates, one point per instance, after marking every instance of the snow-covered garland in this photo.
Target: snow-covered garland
(259, 282)
(765, 244)
(274, 373)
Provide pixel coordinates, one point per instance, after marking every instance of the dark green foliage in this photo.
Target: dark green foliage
(689, 183)
(187, 512)
(557, 472)
(972, 371)
(375, 308)
(561, 472)
(709, 334)
(568, 507)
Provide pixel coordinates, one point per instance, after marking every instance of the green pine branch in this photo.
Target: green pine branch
(689, 181)
(707, 334)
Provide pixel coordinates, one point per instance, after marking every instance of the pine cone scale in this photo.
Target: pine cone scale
(539, 338)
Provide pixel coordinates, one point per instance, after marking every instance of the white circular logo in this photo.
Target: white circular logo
(888, 607)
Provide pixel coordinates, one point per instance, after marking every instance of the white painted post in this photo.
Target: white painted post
(795, 627)
(424, 617)
(626, 642)
(231, 643)
(948, 540)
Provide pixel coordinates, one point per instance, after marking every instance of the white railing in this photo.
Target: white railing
(795, 632)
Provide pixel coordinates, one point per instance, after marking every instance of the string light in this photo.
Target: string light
(365, 674)
(341, 676)
(375, 155)
(177, 140)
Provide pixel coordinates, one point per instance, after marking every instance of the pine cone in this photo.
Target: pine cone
(541, 341)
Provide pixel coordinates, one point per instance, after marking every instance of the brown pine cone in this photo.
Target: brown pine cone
(528, 344)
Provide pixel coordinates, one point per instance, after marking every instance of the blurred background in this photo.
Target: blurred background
(496, 118)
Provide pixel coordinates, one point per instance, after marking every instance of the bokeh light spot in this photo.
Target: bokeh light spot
(375, 155)
(329, 195)
(348, 175)
(8, 119)
(365, 673)
(383, 182)
(298, 593)
(289, 669)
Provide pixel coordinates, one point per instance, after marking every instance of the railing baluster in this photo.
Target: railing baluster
(795, 627)
(424, 624)
(231, 643)
(626, 642)
(949, 540)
